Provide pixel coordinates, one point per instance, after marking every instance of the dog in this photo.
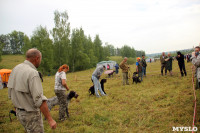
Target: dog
(91, 90)
(111, 74)
(136, 78)
(12, 112)
(51, 102)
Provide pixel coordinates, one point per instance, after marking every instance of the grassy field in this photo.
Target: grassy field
(10, 61)
(153, 106)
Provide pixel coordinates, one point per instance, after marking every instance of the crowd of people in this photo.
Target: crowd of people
(166, 65)
(26, 92)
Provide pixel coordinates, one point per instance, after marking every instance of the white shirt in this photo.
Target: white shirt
(58, 80)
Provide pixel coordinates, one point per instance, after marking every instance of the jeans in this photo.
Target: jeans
(97, 86)
(144, 71)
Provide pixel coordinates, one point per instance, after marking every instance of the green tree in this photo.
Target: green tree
(42, 42)
(90, 51)
(16, 41)
(139, 53)
(5, 44)
(127, 51)
(79, 59)
(1, 47)
(61, 39)
(27, 44)
(99, 53)
(110, 50)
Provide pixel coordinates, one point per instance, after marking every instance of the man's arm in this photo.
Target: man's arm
(36, 91)
(136, 68)
(45, 111)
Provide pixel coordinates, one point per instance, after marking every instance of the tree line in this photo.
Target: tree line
(61, 45)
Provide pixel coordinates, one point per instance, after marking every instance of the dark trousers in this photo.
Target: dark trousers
(182, 69)
(162, 67)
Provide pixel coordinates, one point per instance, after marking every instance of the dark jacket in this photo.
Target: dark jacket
(162, 60)
(180, 59)
(169, 63)
(144, 63)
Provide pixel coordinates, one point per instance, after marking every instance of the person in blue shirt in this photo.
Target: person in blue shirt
(139, 68)
(116, 68)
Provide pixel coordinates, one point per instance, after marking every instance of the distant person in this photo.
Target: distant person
(150, 60)
(139, 69)
(108, 67)
(163, 63)
(60, 89)
(169, 63)
(26, 92)
(116, 68)
(95, 78)
(196, 62)
(144, 65)
(124, 66)
(181, 63)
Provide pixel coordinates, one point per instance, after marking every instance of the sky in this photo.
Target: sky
(151, 25)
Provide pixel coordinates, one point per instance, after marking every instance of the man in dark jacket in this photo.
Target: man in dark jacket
(139, 68)
(169, 63)
(144, 65)
(181, 63)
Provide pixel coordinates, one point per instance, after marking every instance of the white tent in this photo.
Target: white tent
(105, 63)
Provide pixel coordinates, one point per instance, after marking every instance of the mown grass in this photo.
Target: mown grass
(10, 61)
(155, 105)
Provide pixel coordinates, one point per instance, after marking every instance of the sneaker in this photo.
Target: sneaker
(98, 96)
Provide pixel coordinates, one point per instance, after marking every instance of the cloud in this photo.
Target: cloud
(150, 25)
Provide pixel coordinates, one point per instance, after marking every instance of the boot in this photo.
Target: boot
(185, 73)
(182, 74)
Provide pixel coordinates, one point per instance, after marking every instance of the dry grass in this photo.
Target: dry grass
(155, 105)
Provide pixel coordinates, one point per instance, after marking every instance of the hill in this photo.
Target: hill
(10, 61)
(155, 105)
(185, 51)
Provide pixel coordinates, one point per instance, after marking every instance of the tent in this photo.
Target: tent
(105, 63)
(5, 73)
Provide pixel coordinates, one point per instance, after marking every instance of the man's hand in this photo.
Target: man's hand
(44, 109)
(52, 124)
